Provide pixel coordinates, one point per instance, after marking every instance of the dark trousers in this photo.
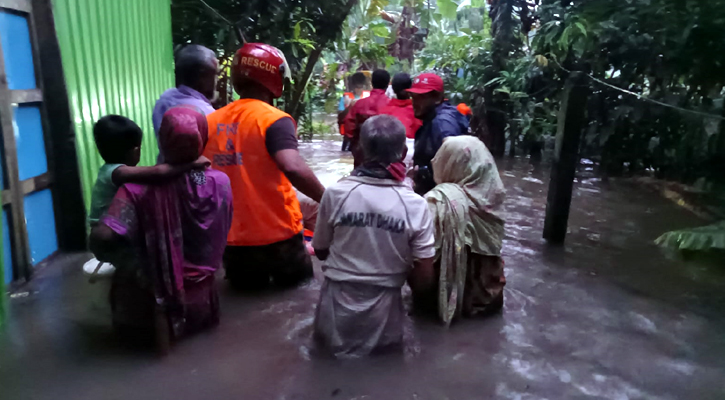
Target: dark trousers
(345, 143)
(284, 263)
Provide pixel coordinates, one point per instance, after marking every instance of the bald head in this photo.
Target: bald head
(196, 67)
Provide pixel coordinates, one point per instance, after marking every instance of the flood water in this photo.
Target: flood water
(606, 316)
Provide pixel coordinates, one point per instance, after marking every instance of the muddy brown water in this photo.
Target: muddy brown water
(607, 316)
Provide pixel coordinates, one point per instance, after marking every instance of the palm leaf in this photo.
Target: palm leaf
(704, 238)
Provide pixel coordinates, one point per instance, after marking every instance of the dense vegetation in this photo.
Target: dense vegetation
(509, 60)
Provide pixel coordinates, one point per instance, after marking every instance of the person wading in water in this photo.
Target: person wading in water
(401, 107)
(255, 144)
(440, 120)
(372, 231)
(196, 78)
(348, 99)
(364, 109)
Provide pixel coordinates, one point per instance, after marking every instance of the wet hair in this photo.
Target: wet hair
(115, 136)
(401, 83)
(383, 139)
(192, 62)
(358, 79)
(381, 79)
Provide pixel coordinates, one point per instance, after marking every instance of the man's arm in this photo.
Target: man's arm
(156, 174)
(324, 229)
(422, 277)
(281, 143)
(295, 168)
(322, 254)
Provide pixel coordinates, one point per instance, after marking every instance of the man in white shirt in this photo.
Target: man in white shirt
(371, 231)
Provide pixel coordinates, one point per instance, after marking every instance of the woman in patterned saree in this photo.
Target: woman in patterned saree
(466, 210)
(167, 240)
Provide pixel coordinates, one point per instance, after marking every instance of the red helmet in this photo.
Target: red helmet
(263, 64)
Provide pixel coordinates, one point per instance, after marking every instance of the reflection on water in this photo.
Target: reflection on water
(604, 316)
(327, 161)
(579, 319)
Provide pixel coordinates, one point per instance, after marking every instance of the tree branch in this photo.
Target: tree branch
(293, 108)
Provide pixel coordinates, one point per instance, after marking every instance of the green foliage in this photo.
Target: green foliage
(450, 51)
(365, 37)
(368, 45)
(281, 23)
(702, 239)
(509, 58)
(447, 8)
(464, 53)
(668, 50)
(301, 29)
(301, 41)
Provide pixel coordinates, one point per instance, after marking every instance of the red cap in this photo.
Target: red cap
(263, 64)
(425, 83)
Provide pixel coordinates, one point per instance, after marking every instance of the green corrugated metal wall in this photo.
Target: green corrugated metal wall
(117, 59)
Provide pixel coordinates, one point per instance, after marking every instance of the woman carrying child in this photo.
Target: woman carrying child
(167, 240)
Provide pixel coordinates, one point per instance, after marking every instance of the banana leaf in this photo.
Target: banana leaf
(704, 238)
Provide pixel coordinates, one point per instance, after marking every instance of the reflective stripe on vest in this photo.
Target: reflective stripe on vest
(266, 209)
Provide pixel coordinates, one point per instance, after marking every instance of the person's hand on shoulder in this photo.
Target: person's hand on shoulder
(201, 163)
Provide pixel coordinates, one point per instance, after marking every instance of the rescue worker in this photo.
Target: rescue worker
(366, 108)
(357, 82)
(440, 120)
(255, 144)
(401, 107)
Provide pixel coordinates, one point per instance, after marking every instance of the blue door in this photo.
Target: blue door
(29, 231)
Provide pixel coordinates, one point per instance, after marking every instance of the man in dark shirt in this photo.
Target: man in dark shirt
(440, 120)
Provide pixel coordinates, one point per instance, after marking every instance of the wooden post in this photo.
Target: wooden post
(18, 237)
(60, 138)
(566, 157)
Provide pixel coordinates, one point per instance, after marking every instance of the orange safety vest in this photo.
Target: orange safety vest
(266, 209)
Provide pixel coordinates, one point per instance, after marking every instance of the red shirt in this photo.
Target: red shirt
(403, 111)
(362, 110)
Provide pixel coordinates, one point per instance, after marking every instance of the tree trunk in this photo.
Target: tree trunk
(572, 119)
(292, 107)
(299, 89)
(496, 118)
(479, 120)
(513, 136)
(502, 31)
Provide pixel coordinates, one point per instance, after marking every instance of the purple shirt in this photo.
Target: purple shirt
(176, 97)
